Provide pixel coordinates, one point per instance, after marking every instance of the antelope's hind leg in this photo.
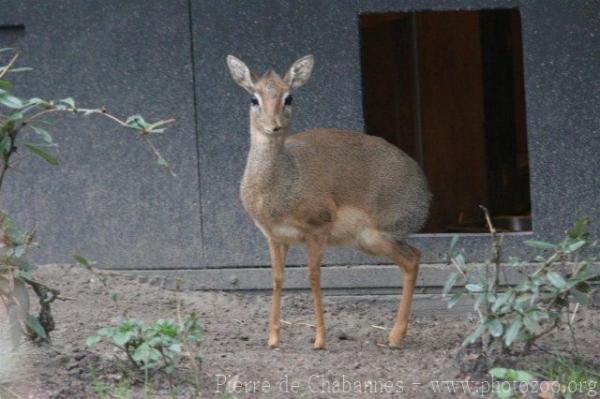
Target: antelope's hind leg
(375, 242)
(408, 258)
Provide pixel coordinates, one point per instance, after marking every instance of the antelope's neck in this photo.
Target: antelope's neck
(267, 161)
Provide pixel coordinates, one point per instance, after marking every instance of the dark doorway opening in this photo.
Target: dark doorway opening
(447, 88)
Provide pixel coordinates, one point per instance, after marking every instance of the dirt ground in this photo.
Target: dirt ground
(357, 362)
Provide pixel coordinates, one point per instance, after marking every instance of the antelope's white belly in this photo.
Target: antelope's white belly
(287, 233)
(349, 224)
(283, 232)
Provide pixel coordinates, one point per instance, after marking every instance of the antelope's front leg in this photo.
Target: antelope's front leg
(278, 253)
(316, 245)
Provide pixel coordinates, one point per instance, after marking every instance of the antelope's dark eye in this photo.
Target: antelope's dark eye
(254, 100)
(288, 100)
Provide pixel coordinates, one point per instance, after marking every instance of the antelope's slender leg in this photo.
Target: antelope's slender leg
(278, 253)
(408, 258)
(316, 246)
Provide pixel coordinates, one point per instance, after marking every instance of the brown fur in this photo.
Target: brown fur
(326, 187)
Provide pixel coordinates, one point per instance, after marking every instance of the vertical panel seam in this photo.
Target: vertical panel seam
(196, 128)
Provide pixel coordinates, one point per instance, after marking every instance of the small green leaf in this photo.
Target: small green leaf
(512, 332)
(453, 243)
(106, 331)
(495, 327)
(5, 84)
(580, 297)
(88, 112)
(511, 374)
(585, 273)
(476, 334)
(4, 145)
(10, 101)
(122, 337)
(21, 69)
(556, 280)
(502, 391)
(579, 230)
(521, 300)
(153, 127)
(455, 298)
(34, 324)
(460, 261)
(39, 151)
(83, 261)
(531, 324)
(42, 133)
(137, 122)
(540, 244)
(19, 251)
(15, 116)
(36, 101)
(93, 340)
(576, 245)
(69, 101)
(450, 283)
(474, 287)
(498, 372)
(162, 162)
(145, 353)
(25, 275)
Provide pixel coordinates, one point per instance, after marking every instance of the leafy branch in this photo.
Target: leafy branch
(535, 306)
(21, 117)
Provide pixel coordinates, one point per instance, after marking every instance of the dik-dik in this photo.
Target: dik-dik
(326, 187)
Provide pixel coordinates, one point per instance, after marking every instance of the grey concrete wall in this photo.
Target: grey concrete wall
(108, 201)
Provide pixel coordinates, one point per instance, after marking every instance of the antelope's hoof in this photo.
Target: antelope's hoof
(394, 345)
(273, 343)
(396, 338)
(319, 344)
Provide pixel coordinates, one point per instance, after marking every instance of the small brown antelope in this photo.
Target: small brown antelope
(326, 187)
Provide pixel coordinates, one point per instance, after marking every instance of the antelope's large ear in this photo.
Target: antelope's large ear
(300, 72)
(241, 74)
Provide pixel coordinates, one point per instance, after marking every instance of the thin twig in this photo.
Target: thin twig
(548, 330)
(9, 392)
(129, 356)
(571, 330)
(453, 261)
(10, 64)
(7, 154)
(574, 313)
(379, 327)
(492, 281)
(185, 342)
(104, 112)
(158, 155)
(300, 323)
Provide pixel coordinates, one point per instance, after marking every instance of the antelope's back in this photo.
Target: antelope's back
(362, 171)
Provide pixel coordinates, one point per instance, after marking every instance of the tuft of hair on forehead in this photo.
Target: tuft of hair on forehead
(271, 75)
(271, 83)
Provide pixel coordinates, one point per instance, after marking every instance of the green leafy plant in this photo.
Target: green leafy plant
(23, 124)
(164, 345)
(546, 296)
(157, 346)
(504, 391)
(122, 390)
(558, 375)
(575, 376)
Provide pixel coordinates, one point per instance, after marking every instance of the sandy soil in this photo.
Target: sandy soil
(357, 362)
